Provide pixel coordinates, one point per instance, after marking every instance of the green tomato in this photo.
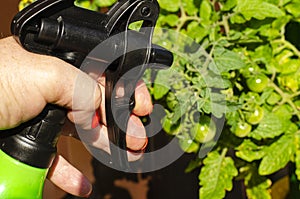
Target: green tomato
(249, 70)
(257, 83)
(255, 116)
(188, 145)
(169, 127)
(242, 129)
(204, 131)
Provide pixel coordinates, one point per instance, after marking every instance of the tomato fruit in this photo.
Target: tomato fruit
(249, 70)
(257, 83)
(204, 130)
(188, 145)
(242, 129)
(255, 116)
(169, 127)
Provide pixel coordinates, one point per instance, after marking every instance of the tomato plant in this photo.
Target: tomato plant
(249, 63)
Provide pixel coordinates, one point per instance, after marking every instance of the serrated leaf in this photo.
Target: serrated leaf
(186, 100)
(257, 9)
(270, 127)
(216, 175)
(225, 60)
(277, 155)
(249, 151)
(229, 4)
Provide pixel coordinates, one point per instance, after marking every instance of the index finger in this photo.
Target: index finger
(143, 102)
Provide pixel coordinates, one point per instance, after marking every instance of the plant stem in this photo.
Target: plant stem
(288, 45)
(286, 99)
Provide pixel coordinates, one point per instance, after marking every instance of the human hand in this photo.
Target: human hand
(29, 81)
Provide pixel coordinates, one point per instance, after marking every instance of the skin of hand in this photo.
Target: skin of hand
(29, 81)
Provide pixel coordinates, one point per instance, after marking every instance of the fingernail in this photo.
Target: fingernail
(96, 119)
(87, 190)
(145, 145)
(141, 150)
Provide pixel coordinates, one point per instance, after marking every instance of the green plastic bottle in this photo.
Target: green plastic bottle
(27, 153)
(20, 181)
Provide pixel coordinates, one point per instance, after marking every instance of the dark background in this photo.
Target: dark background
(8, 9)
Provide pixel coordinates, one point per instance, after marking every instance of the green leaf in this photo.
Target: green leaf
(237, 18)
(193, 164)
(257, 187)
(249, 151)
(275, 2)
(277, 155)
(285, 112)
(104, 3)
(257, 9)
(262, 54)
(171, 19)
(294, 8)
(195, 31)
(189, 7)
(86, 4)
(274, 98)
(159, 91)
(297, 161)
(186, 99)
(164, 79)
(289, 82)
(205, 10)
(216, 175)
(229, 4)
(225, 60)
(270, 127)
(169, 5)
(161, 83)
(211, 102)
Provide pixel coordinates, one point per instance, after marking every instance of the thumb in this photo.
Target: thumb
(29, 81)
